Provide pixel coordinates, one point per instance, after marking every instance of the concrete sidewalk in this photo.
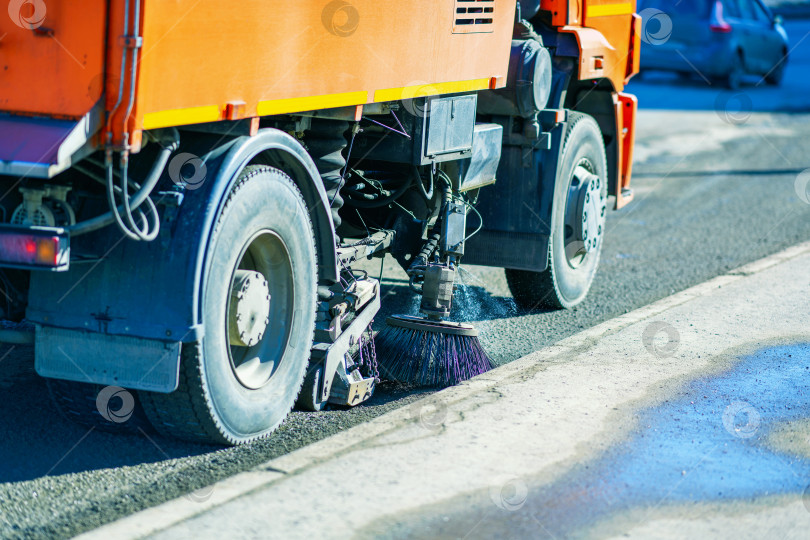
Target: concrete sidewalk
(488, 457)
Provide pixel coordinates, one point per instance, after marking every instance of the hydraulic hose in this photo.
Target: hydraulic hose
(146, 232)
(427, 195)
(378, 203)
(116, 213)
(136, 200)
(447, 192)
(416, 271)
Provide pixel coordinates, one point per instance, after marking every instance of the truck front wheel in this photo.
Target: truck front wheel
(577, 224)
(258, 308)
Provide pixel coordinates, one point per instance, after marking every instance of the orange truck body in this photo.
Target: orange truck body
(210, 60)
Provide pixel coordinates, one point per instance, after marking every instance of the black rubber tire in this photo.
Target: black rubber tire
(308, 399)
(211, 405)
(116, 411)
(560, 285)
(774, 78)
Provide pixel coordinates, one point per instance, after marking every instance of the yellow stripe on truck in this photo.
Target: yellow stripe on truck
(213, 113)
(424, 90)
(607, 10)
(182, 117)
(314, 103)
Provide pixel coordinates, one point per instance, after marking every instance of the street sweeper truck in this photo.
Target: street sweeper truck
(188, 186)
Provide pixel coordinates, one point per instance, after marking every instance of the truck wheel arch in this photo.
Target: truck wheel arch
(290, 156)
(599, 99)
(278, 149)
(175, 261)
(596, 100)
(594, 97)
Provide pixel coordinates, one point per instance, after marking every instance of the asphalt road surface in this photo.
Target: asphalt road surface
(718, 183)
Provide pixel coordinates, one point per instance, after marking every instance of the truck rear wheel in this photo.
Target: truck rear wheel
(577, 224)
(258, 309)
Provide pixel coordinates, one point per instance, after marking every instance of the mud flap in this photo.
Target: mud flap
(89, 357)
(517, 210)
(626, 109)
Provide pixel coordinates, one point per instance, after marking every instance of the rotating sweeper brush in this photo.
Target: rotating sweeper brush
(431, 351)
(425, 352)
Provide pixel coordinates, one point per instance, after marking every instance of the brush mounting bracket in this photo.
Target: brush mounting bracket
(437, 290)
(454, 228)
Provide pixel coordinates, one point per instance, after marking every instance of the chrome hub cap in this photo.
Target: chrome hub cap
(585, 214)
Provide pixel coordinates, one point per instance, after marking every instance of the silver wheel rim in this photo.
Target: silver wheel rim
(265, 254)
(585, 212)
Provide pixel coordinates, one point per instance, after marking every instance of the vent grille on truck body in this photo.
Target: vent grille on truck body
(474, 16)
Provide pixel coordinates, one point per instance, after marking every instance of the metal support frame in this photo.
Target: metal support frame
(332, 354)
(376, 243)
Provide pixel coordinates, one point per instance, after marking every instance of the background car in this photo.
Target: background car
(717, 39)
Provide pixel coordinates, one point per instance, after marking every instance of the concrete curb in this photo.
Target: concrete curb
(176, 511)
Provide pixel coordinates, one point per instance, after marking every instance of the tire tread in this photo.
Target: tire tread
(186, 412)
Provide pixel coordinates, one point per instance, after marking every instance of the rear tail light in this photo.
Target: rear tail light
(34, 248)
(718, 23)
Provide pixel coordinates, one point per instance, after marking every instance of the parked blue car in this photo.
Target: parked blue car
(718, 40)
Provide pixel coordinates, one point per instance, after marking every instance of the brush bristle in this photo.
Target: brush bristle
(429, 359)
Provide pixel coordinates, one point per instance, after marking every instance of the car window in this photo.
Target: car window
(731, 8)
(760, 13)
(746, 9)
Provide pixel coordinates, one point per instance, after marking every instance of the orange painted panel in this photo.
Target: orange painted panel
(52, 56)
(199, 55)
(634, 63)
(563, 12)
(605, 32)
(607, 41)
(614, 20)
(626, 109)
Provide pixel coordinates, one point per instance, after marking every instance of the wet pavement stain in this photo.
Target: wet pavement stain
(709, 444)
(712, 442)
